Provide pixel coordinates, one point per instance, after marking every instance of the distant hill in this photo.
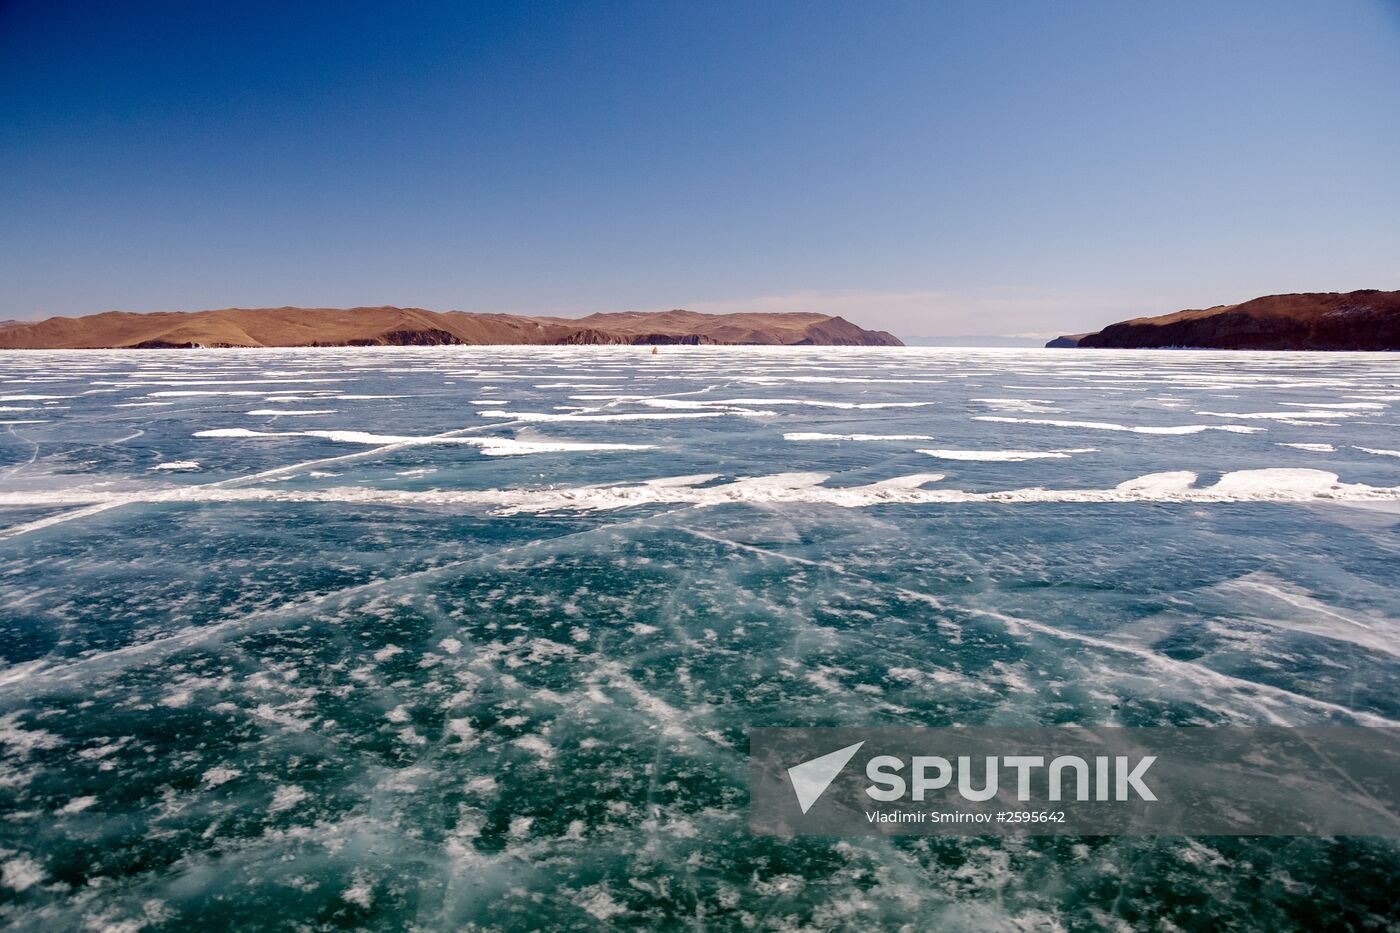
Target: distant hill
(387, 326)
(1361, 320)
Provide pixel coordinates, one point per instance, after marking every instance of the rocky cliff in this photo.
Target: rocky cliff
(1359, 320)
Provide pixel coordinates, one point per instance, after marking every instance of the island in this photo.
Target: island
(390, 326)
(1368, 319)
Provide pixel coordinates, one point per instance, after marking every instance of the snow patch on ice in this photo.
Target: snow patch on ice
(220, 775)
(286, 797)
(490, 446)
(1110, 426)
(268, 412)
(1274, 485)
(76, 805)
(21, 873)
(1007, 456)
(819, 436)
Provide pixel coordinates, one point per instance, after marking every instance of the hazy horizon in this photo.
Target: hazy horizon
(929, 170)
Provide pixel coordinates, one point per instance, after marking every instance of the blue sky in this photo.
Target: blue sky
(929, 168)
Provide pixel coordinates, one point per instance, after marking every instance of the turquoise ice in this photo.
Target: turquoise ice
(460, 637)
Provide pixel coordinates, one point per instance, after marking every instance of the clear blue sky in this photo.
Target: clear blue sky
(930, 168)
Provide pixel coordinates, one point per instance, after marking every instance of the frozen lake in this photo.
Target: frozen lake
(456, 636)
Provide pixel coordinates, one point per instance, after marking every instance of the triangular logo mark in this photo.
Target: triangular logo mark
(811, 778)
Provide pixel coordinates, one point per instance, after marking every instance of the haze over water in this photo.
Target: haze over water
(471, 637)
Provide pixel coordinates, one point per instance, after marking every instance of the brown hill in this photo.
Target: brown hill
(337, 327)
(1360, 320)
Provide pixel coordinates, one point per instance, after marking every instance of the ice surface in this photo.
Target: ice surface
(372, 674)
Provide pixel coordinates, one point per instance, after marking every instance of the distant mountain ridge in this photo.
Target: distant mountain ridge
(390, 326)
(1367, 319)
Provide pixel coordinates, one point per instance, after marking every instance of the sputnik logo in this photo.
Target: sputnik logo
(811, 778)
